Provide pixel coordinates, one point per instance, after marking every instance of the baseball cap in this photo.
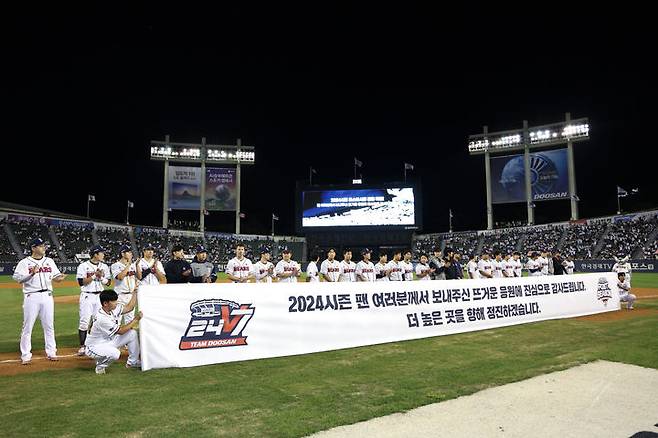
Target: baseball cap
(148, 246)
(125, 248)
(96, 249)
(366, 251)
(265, 251)
(200, 249)
(37, 242)
(285, 251)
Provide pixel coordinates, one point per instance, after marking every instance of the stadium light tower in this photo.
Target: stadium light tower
(203, 154)
(536, 137)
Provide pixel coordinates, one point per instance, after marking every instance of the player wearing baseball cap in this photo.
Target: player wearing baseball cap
(203, 271)
(263, 268)
(240, 269)
(92, 275)
(36, 274)
(125, 280)
(365, 269)
(149, 269)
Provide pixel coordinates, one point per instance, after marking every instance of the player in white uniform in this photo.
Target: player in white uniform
(407, 267)
(624, 287)
(472, 267)
(124, 274)
(423, 270)
(485, 267)
(330, 268)
(240, 269)
(312, 273)
(394, 268)
(533, 265)
(365, 269)
(347, 267)
(93, 275)
(622, 265)
(149, 269)
(498, 265)
(543, 262)
(36, 274)
(518, 266)
(287, 270)
(263, 268)
(107, 335)
(381, 268)
(569, 265)
(508, 266)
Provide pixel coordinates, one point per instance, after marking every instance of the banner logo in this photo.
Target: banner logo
(216, 323)
(603, 293)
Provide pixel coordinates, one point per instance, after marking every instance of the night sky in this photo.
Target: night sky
(85, 90)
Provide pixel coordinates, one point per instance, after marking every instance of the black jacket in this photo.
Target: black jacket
(174, 271)
(558, 268)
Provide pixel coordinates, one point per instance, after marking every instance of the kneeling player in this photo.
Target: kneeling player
(107, 335)
(625, 295)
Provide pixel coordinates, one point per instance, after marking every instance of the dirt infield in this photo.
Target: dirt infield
(10, 363)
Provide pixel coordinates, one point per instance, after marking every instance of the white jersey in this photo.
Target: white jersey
(104, 326)
(472, 268)
(508, 267)
(421, 269)
(262, 272)
(623, 267)
(347, 271)
(365, 269)
(87, 270)
(127, 285)
(240, 268)
(543, 263)
(312, 272)
(397, 270)
(485, 266)
(518, 267)
(569, 266)
(534, 265)
(331, 269)
(149, 268)
(285, 267)
(407, 270)
(380, 269)
(42, 281)
(624, 287)
(498, 267)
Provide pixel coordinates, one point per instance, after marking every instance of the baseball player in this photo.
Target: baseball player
(407, 267)
(518, 266)
(107, 335)
(394, 268)
(498, 265)
(202, 270)
(125, 280)
(472, 267)
(330, 268)
(569, 265)
(365, 269)
(312, 273)
(508, 266)
(240, 269)
(381, 268)
(36, 274)
(543, 262)
(149, 269)
(533, 265)
(622, 265)
(287, 270)
(92, 275)
(347, 267)
(436, 262)
(423, 270)
(263, 268)
(485, 267)
(624, 287)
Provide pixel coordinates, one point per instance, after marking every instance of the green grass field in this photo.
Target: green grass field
(294, 396)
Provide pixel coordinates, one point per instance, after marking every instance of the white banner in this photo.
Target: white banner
(188, 325)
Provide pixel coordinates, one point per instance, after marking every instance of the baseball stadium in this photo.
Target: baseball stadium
(342, 222)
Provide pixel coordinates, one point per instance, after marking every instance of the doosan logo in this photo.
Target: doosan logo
(216, 323)
(556, 195)
(603, 292)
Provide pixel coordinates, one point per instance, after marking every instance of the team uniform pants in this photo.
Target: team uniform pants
(125, 299)
(89, 305)
(39, 304)
(107, 352)
(629, 299)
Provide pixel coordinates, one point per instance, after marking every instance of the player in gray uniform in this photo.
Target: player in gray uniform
(202, 270)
